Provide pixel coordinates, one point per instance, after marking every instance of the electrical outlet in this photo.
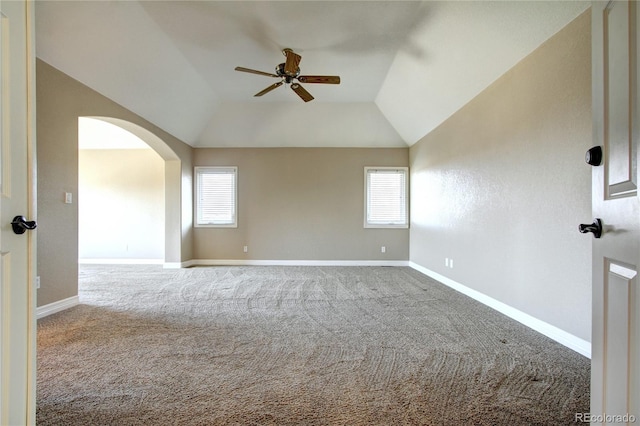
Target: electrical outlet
(383, 249)
(245, 249)
(68, 198)
(37, 282)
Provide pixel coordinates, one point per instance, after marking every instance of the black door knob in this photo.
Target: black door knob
(21, 225)
(595, 228)
(594, 156)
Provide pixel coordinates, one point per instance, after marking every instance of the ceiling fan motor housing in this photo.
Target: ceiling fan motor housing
(281, 72)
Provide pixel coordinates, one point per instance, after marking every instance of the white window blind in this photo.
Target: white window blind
(386, 197)
(216, 196)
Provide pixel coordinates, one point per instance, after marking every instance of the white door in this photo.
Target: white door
(17, 293)
(615, 376)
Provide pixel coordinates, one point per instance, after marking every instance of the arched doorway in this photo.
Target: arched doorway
(140, 245)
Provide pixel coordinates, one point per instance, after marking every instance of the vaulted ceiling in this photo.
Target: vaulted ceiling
(405, 66)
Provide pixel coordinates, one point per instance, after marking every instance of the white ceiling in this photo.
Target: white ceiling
(405, 66)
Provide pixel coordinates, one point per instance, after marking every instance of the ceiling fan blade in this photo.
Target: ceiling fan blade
(268, 89)
(326, 79)
(292, 62)
(306, 96)
(249, 70)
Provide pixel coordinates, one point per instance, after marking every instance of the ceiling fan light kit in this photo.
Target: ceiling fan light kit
(289, 72)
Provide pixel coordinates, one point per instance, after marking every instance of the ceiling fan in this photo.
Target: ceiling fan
(290, 71)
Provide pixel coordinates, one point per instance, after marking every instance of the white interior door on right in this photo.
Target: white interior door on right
(615, 372)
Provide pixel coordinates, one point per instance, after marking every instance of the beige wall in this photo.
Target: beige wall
(502, 185)
(121, 204)
(60, 100)
(301, 204)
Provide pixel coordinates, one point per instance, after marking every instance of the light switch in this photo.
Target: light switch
(68, 198)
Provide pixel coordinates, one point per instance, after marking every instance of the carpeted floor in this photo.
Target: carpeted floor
(295, 346)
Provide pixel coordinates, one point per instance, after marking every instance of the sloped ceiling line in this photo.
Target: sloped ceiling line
(405, 66)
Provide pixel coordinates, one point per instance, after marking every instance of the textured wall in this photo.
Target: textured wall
(501, 187)
(301, 204)
(121, 204)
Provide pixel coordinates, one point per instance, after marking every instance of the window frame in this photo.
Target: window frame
(233, 170)
(367, 223)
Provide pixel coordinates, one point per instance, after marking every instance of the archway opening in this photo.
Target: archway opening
(127, 194)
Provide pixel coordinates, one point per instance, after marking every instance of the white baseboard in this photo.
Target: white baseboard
(60, 305)
(178, 265)
(575, 343)
(121, 261)
(250, 262)
(173, 265)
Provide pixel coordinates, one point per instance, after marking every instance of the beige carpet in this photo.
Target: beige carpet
(295, 346)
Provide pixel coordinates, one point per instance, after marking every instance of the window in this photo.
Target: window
(216, 196)
(386, 197)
